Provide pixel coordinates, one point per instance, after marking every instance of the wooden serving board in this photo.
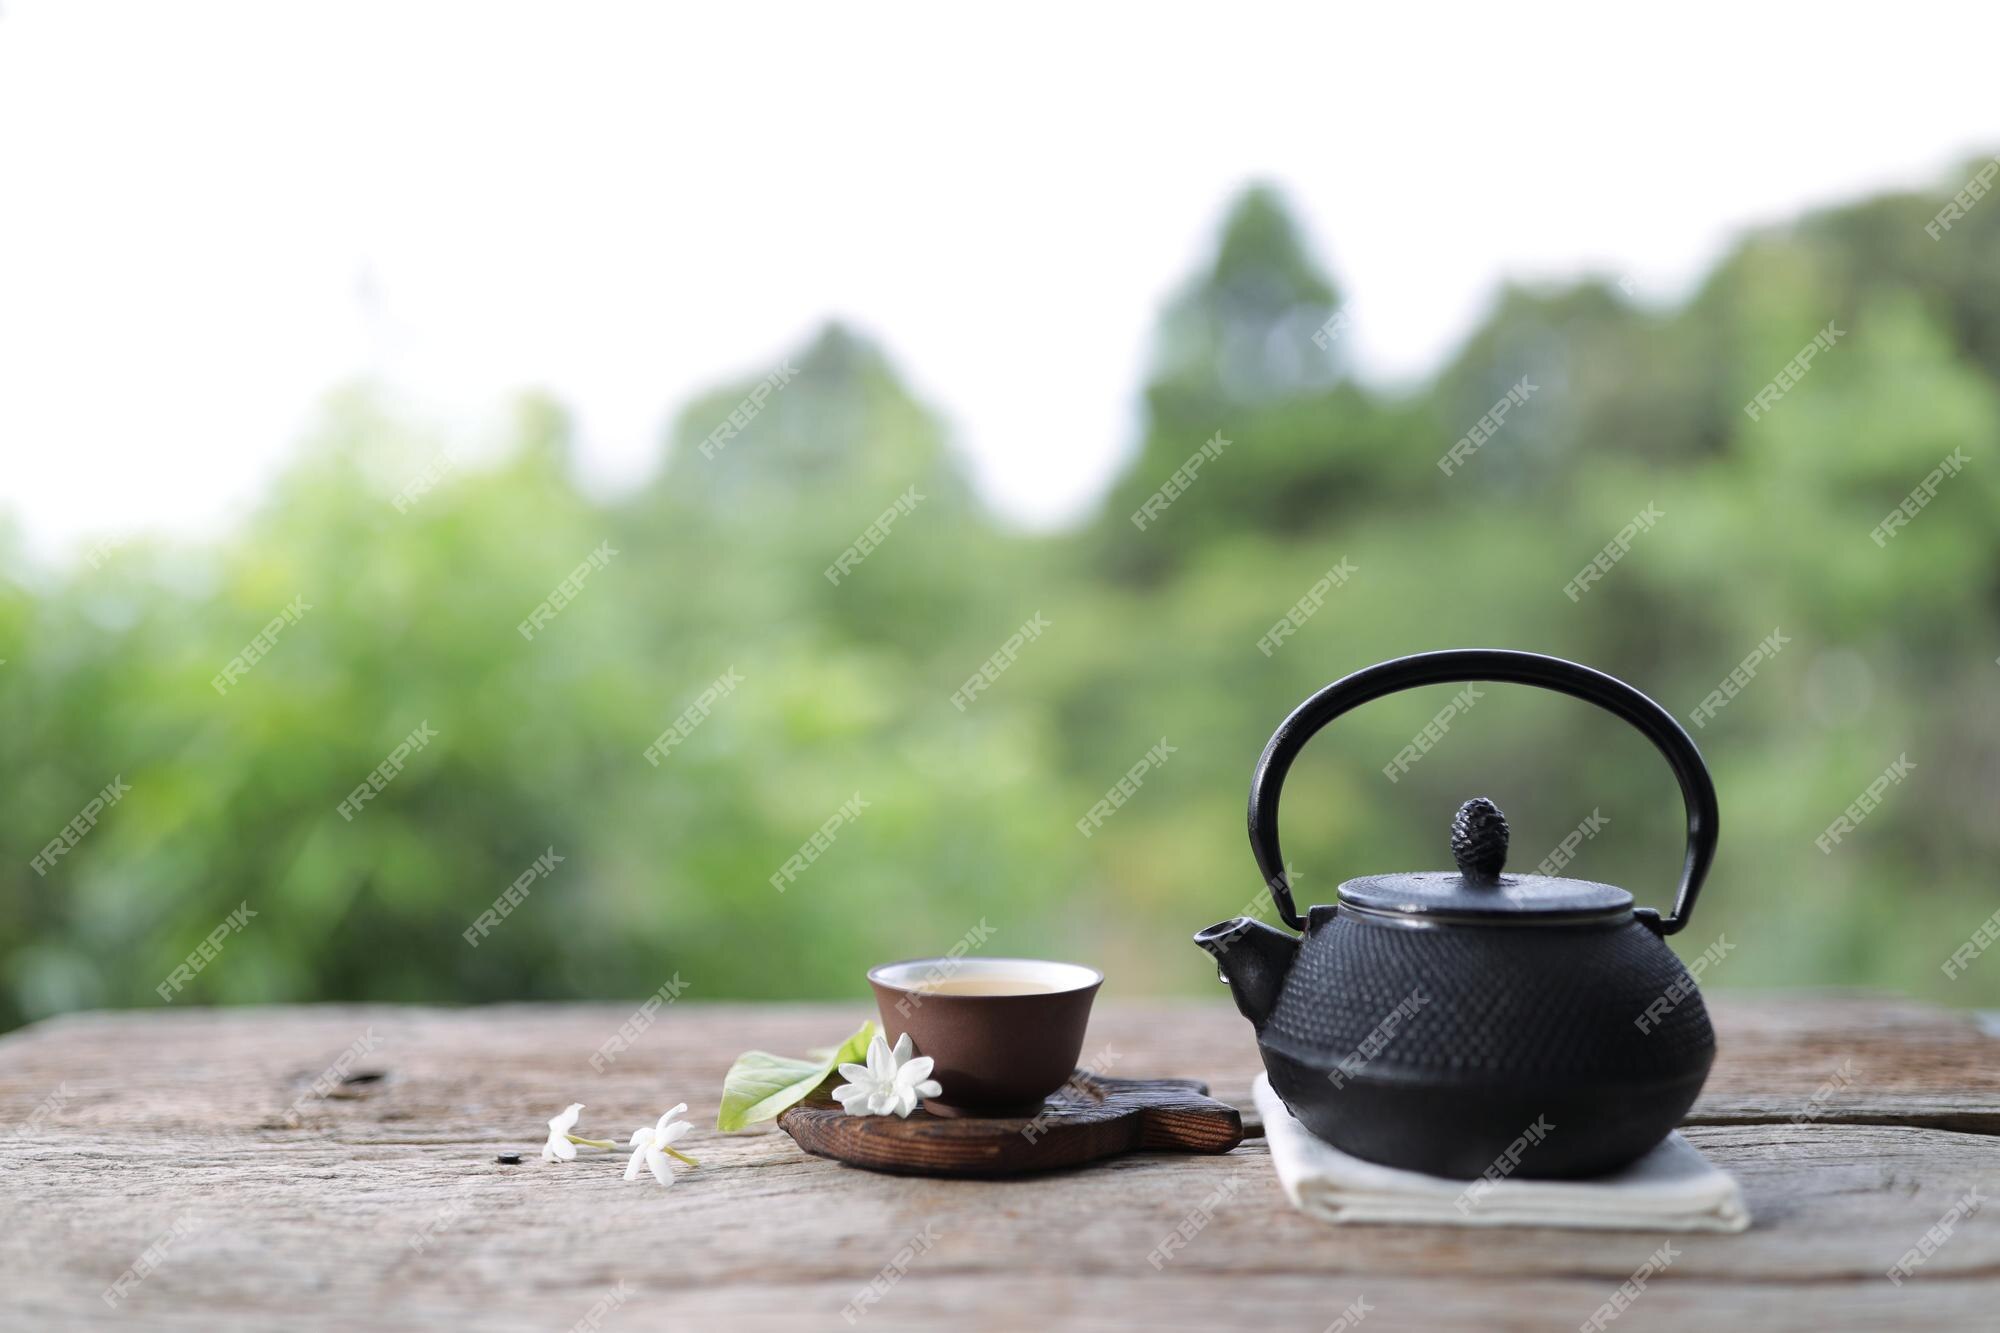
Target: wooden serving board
(1090, 1117)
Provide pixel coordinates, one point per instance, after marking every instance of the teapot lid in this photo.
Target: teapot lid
(1477, 889)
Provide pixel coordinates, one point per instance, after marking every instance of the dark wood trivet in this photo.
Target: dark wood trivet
(1089, 1117)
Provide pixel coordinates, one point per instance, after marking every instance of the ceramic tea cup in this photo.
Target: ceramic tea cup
(1005, 1032)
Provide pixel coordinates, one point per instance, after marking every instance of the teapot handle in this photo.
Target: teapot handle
(1504, 666)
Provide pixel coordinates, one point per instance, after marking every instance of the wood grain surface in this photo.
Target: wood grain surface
(1855, 1123)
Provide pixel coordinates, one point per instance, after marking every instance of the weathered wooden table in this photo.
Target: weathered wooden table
(156, 1157)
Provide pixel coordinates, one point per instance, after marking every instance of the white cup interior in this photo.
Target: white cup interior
(1056, 976)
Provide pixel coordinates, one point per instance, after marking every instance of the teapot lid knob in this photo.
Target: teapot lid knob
(1479, 840)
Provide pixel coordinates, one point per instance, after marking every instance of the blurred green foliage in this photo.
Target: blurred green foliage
(971, 814)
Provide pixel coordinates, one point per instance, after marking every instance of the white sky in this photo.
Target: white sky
(210, 213)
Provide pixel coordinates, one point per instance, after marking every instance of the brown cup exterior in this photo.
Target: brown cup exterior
(997, 1055)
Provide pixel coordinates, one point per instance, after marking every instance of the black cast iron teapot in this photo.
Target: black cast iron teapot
(1431, 1020)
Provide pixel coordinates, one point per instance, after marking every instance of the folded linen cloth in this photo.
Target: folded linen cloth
(1672, 1188)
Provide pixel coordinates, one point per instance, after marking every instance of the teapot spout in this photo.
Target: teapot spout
(1251, 959)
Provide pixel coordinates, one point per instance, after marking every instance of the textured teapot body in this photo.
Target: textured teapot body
(1439, 1048)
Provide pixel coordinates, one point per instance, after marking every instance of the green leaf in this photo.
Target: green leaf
(760, 1085)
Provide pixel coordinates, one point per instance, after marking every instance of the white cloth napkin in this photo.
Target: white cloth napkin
(1672, 1188)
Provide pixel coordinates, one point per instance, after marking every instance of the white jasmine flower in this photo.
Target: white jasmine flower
(653, 1144)
(891, 1081)
(560, 1147)
(562, 1144)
